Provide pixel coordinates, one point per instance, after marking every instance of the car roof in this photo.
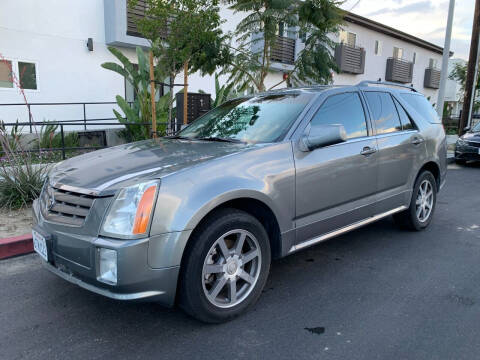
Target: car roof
(364, 85)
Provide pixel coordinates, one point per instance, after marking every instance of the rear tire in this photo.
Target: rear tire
(422, 205)
(225, 266)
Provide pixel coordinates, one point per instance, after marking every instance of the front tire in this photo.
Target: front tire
(225, 266)
(422, 205)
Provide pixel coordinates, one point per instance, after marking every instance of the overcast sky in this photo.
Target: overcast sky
(425, 19)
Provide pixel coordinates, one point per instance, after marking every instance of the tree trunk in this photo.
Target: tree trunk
(152, 97)
(170, 125)
(185, 93)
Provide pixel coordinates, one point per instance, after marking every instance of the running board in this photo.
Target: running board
(345, 229)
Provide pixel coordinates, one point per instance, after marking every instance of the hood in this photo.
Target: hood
(106, 170)
(472, 136)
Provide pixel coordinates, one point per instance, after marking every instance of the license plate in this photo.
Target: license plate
(40, 245)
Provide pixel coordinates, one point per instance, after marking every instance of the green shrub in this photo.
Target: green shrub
(20, 180)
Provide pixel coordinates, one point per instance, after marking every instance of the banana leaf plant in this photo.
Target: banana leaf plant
(138, 111)
(222, 93)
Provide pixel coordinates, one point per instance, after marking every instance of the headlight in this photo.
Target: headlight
(461, 142)
(131, 210)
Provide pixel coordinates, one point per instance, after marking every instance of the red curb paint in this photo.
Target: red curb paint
(17, 245)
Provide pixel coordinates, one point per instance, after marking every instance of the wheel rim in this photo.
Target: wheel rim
(231, 268)
(424, 201)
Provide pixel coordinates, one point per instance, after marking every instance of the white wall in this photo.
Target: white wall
(53, 34)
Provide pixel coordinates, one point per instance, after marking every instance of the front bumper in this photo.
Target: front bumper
(74, 257)
(467, 152)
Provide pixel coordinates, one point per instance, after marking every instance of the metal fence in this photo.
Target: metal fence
(70, 125)
(82, 119)
(451, 123)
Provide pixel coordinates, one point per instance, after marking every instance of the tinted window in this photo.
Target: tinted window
(343, 109)
(422, 106)
(383, 111)
(262, 118)
(404, 117)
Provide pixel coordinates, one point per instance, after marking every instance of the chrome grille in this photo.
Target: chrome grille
(473, 143)
(65, 207)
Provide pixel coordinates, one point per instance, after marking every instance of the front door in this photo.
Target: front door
(336, 184)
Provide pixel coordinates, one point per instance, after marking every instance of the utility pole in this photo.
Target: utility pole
(152, 97)
(474, 91)
(446, 56)
(185, 93)
(472, 65)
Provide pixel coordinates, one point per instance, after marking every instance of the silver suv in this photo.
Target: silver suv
(195, 219)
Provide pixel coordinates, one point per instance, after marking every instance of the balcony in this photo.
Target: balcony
(119, 25)
(399, 70)
(284, 51)
(350, 59)
(134, 14)
(432, 78)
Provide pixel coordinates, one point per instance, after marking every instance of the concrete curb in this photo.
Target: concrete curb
(17, 245)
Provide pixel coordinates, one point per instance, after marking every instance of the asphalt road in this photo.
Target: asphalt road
(375, 293)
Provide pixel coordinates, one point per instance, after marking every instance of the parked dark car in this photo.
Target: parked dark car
(196, 218)
(468, 146)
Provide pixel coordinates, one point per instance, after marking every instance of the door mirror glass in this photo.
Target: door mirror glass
(322, 135)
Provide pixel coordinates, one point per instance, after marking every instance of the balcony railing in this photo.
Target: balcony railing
(399, 70)
(135, 13)
(432, 78)
(283, 51)
(350, 59)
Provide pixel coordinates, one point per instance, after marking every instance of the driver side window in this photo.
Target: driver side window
(343, 109)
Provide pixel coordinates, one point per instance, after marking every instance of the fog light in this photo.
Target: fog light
(107, 260)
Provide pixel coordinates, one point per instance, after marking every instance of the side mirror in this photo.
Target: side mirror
(322, 135)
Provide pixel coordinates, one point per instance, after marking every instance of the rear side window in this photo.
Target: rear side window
(405, 119)
(422, 106)
(343, 109)
(384, 112)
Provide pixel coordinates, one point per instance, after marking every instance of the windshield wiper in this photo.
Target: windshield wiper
(219, 139)
(179, 137)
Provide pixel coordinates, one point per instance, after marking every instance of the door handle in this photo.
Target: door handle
(417, 140)
(367, 150)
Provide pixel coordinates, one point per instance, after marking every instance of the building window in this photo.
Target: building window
(378, 47)
(432, 63)
(281, 29)
(348, 38)
(398, 53)
(414, 57)
(6, 79)
(27, 75)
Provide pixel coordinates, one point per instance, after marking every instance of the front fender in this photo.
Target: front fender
(266, 174)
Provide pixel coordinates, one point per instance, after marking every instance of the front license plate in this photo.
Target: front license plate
(40, 245)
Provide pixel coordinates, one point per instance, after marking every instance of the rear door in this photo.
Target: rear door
(336, 184)
(399, 145)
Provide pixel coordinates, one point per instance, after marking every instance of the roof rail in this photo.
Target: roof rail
(371, 82)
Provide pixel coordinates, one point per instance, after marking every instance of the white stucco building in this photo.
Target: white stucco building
(453, 93)
(45, 43)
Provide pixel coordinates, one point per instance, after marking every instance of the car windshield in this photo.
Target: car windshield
(262, 118)
(476, 128)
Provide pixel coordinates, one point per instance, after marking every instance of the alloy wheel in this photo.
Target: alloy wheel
(424, 201)
(231, 268)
